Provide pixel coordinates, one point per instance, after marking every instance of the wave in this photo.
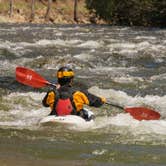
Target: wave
(26, 110)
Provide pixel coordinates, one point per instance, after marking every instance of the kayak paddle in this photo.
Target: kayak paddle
(31, 78)
(139, 113)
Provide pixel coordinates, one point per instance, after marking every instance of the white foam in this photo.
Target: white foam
(26, 110)
(22, 119)
(145, 37)
(57, 42)
(132, 49)
(122, 45)
(128, 79)
(99, 152)
(17, 46)
(128, 52)
(125, 124)
(91, 44)
(113, 69)
(158, 77)
(84, 57)
(139, 127)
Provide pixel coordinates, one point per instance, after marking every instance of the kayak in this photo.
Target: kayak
(67, 119)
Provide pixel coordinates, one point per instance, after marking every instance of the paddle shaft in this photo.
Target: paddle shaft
(114, 105)
(51, 84)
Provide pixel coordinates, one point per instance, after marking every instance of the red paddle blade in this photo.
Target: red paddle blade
(29, 77)
(141, 113)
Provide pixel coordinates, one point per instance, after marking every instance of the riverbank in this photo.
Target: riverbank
(62, 12)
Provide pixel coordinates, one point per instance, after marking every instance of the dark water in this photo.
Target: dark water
(125, 65)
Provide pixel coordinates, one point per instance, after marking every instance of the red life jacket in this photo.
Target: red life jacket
(64, 107)
(63, 102)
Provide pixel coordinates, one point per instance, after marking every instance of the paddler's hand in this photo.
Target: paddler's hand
(57, 86)
(103, 99)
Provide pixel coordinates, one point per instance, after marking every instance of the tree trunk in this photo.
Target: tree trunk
(47, 16)
(32, 10)
(11, 8)
(75, 10)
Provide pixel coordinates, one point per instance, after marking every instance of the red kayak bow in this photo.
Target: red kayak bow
(31, 78)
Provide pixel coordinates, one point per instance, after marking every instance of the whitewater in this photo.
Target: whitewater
(125, 65)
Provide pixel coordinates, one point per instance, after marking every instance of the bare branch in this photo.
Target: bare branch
(47, 16)
(75, 10)
(32, 10)
(11, 8)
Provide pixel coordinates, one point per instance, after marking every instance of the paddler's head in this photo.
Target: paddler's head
(65, 76)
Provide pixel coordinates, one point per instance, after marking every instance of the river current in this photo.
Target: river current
(125, 65)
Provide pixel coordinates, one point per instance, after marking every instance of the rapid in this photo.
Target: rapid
(126, 65)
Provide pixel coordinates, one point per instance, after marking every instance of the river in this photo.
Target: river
(126, 65)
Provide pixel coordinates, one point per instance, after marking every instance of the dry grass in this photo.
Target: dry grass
(61, 12)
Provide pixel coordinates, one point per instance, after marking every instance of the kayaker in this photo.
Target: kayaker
(65, 100)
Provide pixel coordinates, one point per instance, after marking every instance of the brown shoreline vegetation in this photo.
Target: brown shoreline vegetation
(61, 12)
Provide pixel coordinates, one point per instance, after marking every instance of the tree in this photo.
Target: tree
(47, 16)
(11, 8)
(75, 10)
(131, 12)
(32, 10)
